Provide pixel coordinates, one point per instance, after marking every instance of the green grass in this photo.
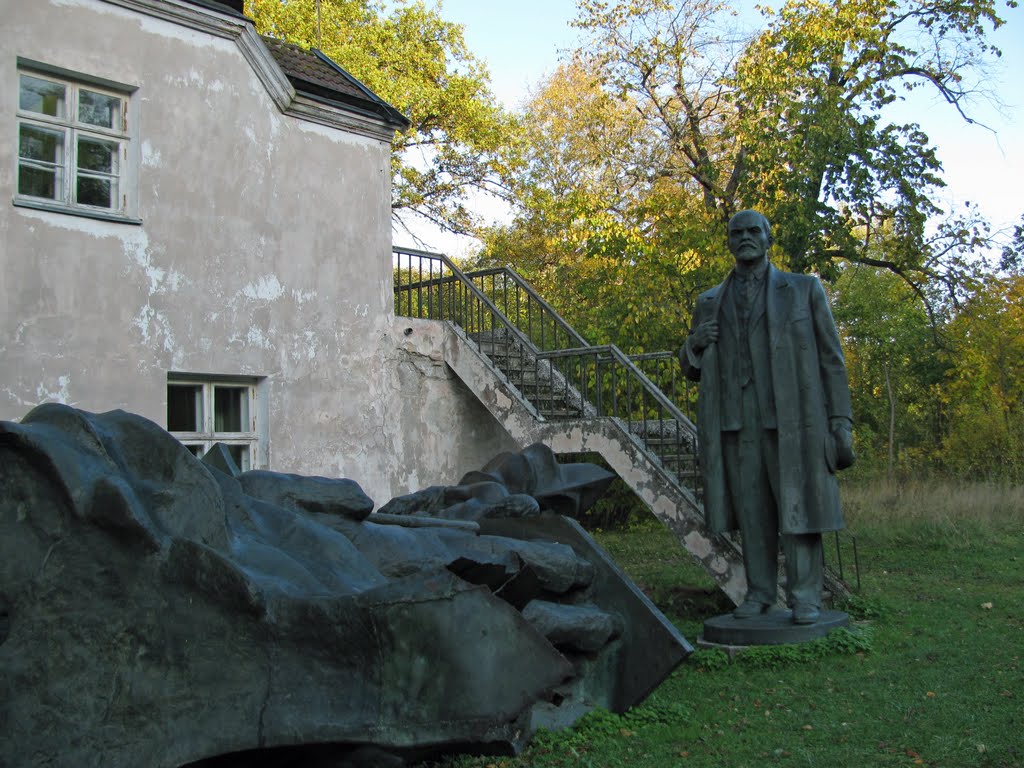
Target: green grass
(932, 674)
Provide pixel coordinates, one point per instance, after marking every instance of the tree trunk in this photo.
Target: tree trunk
(892, 420)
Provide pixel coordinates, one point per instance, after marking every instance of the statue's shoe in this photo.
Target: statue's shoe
(750, 608)
(805, 614)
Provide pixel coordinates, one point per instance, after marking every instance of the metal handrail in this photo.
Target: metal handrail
(617, 355)
(518, 281)
(457, 278)
(680, 389)
(554, 368)
(683, 399)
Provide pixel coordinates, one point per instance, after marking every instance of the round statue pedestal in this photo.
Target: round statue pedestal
(773, 628)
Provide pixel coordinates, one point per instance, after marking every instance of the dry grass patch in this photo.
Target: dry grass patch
(939, 503)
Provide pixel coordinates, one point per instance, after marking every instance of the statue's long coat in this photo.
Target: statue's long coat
(808, 374)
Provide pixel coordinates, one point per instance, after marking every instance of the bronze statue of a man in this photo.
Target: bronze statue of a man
(773, 417)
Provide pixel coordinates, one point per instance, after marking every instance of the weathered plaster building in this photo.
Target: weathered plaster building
(196, 227)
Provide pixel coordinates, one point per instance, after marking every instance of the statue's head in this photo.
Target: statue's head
(750, 236)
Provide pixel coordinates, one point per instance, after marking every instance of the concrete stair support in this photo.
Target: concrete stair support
(623, 450)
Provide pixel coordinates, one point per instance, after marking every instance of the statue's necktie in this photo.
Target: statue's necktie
(744, 296)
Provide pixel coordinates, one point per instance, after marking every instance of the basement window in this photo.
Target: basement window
(76, 151)
(204, 411)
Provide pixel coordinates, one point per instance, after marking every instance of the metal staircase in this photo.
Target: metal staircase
(574, 397)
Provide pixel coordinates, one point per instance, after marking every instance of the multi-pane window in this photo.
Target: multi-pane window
(201, 413)
(73, 144)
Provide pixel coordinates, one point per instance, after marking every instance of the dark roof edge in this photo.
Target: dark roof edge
(351, 107)
(393, 115)
(228, 7)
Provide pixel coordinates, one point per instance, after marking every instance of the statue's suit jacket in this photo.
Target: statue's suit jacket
(808, 386)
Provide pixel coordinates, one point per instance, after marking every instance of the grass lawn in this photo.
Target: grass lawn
(932, 675)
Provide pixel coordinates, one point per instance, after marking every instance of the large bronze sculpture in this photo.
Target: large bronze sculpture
(164, 611)
(773, 417)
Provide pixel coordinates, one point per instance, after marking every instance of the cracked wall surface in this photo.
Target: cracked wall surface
(264, 250)
(441, 428)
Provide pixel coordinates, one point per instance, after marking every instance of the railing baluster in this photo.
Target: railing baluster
(529, 317)
(419, 290)
(430, 290)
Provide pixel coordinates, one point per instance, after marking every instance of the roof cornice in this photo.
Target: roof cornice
(242, 31)
(346, 118)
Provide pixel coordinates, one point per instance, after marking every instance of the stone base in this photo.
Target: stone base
(773, 628)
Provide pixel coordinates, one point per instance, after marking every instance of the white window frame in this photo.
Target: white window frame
(252, 437)
(72, 130)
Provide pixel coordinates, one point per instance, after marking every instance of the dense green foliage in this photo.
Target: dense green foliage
(931, 673)
(666, 121)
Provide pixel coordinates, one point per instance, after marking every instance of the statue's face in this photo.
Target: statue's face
(748, 239)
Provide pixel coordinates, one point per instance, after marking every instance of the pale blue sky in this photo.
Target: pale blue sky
(520, 41)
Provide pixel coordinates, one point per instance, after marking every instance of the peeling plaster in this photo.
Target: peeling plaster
(151, 157)
(61, 394)
(19, 399)
(502, 401)
(266, 288)
(306, 351)
(699, 546)
(19, 332)
(134, 243)
(273, 118)
(663, 506)
(251, 135)
(256, 338)
(154, 328)
(160, 280)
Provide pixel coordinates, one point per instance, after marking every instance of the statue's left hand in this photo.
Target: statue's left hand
(842, 432)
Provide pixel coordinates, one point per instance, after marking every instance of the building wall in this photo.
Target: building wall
(264, 250)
